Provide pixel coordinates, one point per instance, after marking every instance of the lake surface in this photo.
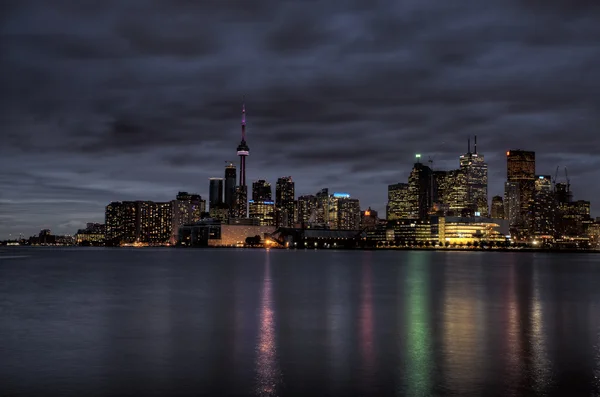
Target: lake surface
(92, 321)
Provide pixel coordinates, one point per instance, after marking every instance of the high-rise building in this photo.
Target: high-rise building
(420, 190)
(262, 210)
(261, 190)
(230, 182)
(544, 208)
(121, 220)
(348, 213)
(215, 195)
(512, 204)
(334, 209)
(284, 201)
(497, 207)
(240, 207)
(322, 210)
(475, 170)
(399, 205)
(307, 209)
(129, 222)
(458, 194)
(520, 168)
(187, 208)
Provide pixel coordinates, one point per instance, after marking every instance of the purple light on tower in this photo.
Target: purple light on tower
(243, 150)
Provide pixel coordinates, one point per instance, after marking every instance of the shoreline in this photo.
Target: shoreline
(447, 249)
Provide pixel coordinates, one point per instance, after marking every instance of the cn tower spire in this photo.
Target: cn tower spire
(243, 150)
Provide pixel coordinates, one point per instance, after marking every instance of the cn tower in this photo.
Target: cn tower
(243, 150)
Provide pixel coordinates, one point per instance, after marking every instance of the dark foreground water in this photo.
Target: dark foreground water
(85, 322)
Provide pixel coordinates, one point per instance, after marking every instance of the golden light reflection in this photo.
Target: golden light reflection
(267, 368)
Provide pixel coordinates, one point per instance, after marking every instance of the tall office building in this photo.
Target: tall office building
(497, 207)
(307, 209)
(322, 210)
(512, 204)
(475, 170)
(458, 194)
(334, 209)
(284, 202)
(369, 219)
(420, 190)
(261, 190)
(262, 210)
(230, 182)
(348, 213)
(240, 206)
(520, 168)
(399, 205)
(544, 208)
(215, 195)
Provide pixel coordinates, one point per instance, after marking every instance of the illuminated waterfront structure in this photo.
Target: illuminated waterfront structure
(261, 191)
(262, 210)
(284, 202)
(475, 170)
(497, 207)
(399, 205)
(93, 234)
(138, 222)
(520, 168)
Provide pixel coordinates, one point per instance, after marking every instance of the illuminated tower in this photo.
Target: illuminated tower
(241, 191)
(243, 150)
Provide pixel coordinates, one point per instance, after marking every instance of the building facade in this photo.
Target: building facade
(284, 202)
(520, 168)
(264, 211)
(399, 204)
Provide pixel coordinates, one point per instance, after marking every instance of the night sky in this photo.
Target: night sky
(138, 99)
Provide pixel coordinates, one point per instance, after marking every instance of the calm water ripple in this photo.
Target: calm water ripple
(102, 322)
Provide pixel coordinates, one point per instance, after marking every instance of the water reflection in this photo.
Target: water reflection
(541, 363)
(267, 368)
(420, 360)
(366, 323)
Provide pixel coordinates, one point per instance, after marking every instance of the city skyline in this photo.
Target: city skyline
(76, 138)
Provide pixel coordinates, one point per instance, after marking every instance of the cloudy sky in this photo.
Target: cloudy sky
(105, 100)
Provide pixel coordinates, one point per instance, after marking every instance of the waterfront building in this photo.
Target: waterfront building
(284, 202)
(420, 190)
(307, 210)
(261, 190)
(348, 213)
(215, 193)
(520, 168)
(262, 210)
(544, 208)
(399, 204)
(475, 170)
(230, 183)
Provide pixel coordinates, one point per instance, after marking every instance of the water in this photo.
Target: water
(85, 322)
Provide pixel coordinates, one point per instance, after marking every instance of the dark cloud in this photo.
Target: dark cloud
(109, 100)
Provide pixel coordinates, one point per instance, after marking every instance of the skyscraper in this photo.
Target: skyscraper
(497, 207)
(544, 208)
(398, 206)
(261, 190)
(284, 201)
(121, 222)
(215, 196)
(348, 216)
(475, 170)
(420, 189)
(307, 208)
(334, 209)
(186, 209)
(512, 204)
(230, 182)
(322, 209)
(520, 168)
